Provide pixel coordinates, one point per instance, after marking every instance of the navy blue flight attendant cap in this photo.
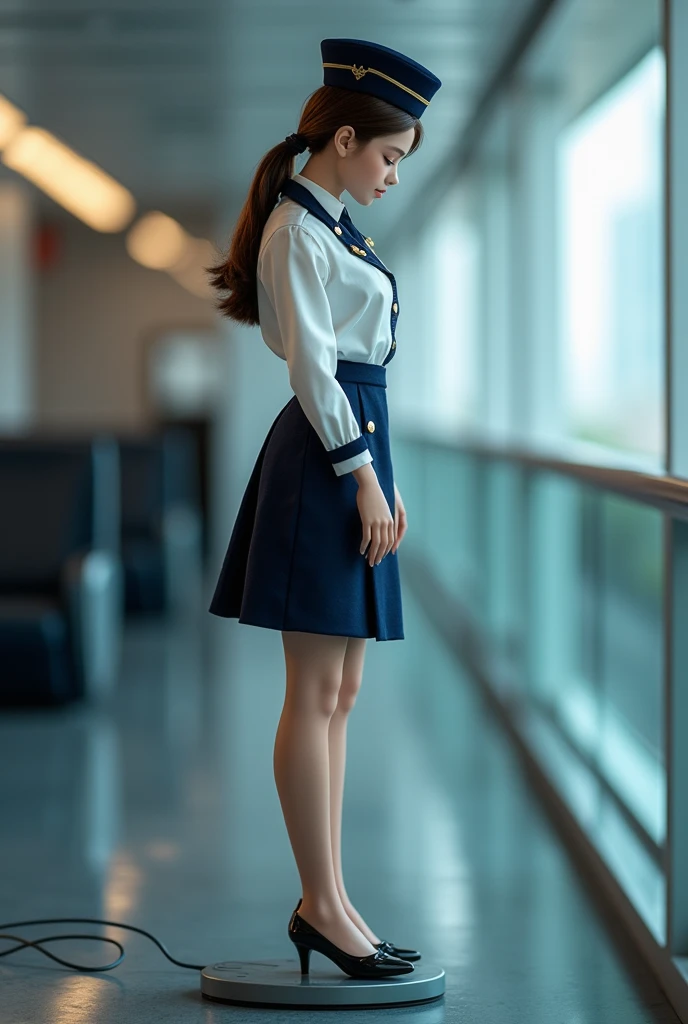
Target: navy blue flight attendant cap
(363, 66)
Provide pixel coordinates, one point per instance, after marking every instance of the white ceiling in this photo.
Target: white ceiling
(179, 99)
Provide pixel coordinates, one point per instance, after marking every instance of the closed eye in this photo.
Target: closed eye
(390, 162)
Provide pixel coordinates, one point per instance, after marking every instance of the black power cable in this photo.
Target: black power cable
(36, 943)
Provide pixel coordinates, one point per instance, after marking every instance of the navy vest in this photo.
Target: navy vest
(351, 237)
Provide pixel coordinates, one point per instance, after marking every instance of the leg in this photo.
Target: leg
(314, 665)
(352, 674)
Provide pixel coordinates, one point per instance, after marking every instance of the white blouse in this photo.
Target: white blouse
(316, 305)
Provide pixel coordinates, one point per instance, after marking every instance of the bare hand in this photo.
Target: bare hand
(376, 518)
(400, 522)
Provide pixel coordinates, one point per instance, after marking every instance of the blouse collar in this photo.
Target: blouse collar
(333, 206)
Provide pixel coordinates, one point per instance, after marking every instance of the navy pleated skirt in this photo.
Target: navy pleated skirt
(293, 561)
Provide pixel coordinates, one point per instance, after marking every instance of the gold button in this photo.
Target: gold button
(395, 308)
(394, 344)
(337, 229)
(371, 426)
(370, 242)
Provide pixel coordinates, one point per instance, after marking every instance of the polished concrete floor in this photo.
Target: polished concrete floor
(161, 812)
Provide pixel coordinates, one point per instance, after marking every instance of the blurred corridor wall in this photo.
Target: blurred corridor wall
(256, 387)
(96, 310)
(17, 392)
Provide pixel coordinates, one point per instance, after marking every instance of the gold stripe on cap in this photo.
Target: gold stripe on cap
(361, 71)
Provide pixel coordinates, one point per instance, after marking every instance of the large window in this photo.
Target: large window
(611, 312)
(539, 285)
(436, 371)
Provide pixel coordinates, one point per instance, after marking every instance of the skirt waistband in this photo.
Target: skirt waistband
(361, 373)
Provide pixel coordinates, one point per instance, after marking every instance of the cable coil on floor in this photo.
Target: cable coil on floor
(36, 943)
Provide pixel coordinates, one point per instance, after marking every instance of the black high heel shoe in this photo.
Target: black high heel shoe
(389, 947)
(306, 938)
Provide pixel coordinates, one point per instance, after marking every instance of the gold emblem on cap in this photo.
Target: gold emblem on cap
(359, 72)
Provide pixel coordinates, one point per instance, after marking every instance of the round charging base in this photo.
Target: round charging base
(279, 983)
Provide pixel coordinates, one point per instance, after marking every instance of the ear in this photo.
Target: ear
(344, 140)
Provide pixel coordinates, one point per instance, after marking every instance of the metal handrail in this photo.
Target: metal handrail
(667, 493)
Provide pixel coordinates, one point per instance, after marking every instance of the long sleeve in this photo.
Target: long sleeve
(293, 269)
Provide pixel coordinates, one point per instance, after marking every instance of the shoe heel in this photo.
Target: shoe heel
(304, 957)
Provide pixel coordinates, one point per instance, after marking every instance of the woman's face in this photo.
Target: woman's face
(372, 166)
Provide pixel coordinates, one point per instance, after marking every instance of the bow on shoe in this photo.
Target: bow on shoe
(403, 954)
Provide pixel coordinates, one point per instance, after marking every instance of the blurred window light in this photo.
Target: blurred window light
(78, 184)
(610, 169)
(185, 374)
(456, 264)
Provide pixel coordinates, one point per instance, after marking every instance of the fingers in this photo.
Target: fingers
(374, 534)
(375, 545)
(401, 526)
(392, 532)
(382, 536)
(382, 540)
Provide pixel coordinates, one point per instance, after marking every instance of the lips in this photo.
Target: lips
(381, 191)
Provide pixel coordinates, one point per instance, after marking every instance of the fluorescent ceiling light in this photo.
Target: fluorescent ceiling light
(78, 184)
(12, 119)
(156, 241)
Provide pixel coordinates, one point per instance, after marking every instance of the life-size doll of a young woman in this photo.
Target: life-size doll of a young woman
(313, 551)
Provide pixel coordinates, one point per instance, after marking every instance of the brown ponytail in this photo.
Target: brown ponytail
(326, 110)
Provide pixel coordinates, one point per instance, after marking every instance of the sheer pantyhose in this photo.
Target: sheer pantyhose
(323, 676)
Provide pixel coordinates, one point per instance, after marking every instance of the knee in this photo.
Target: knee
(348, 692)
(328, 695)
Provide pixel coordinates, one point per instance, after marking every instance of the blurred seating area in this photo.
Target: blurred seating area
(95, 530)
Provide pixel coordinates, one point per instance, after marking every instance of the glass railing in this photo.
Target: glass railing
(560, 580)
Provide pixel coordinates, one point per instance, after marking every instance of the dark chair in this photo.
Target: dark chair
(60, 577)
(160, 543)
